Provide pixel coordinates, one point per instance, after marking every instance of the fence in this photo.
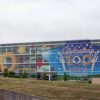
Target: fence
(11, 95)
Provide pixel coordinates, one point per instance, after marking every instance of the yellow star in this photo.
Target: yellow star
(21, 49)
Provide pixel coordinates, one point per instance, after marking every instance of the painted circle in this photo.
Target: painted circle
(13, 58)
(87, 60)
(76, 59)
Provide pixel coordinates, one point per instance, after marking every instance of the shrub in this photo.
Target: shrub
(16, 76)
(65, 77)
(90, 81)
(5, 74)
(43, 76)
(20, 73)
(11, 74)
(24, 75)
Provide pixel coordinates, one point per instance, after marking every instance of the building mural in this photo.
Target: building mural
(76, 58)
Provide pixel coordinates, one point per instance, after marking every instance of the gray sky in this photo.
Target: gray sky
(46, 20)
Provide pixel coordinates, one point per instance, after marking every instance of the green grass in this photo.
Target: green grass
(54, 90)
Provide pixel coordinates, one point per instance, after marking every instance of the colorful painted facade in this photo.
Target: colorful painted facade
(75, 58)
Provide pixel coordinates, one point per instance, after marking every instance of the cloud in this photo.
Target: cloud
(47, 20)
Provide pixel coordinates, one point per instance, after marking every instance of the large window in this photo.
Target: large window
(7, 62)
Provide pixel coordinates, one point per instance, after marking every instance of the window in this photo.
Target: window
(3, 49)
(27, 50)
(15, 50)
(33, 59)
(26, 59)
(9, 49)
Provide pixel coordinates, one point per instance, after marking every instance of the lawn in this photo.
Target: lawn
(54, 90)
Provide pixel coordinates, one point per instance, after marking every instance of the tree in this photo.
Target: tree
(5, 74)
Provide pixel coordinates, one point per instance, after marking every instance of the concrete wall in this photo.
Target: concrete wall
(10, 95)
(96, 80)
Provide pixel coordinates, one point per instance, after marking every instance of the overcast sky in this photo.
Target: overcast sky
(46, 20)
